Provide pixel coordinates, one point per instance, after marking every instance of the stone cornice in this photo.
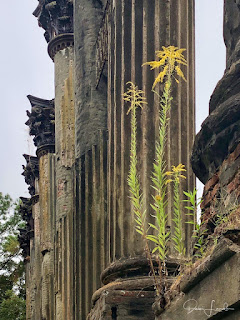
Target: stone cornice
(31, 172)
(59, 43)
(41, 122)
(55, 17)
(35, 101)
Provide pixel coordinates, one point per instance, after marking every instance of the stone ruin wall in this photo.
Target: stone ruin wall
(215, 157)
(213, 282)
(80, 248)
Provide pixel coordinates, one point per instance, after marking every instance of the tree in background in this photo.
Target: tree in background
(12, 281)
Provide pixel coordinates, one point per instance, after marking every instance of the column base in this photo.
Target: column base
(128, 291)
(118, 300)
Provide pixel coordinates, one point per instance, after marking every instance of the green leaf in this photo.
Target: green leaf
(155, 249)
(139, 231)
(153, 226)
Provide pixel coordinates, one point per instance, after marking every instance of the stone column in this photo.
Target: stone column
(132, 30)
(65, 157)
(26, 239)
(90, 94)
(42, 124)
(139, 28)
(28, 210)
(90, 219)
(36, 256)
(56, 18)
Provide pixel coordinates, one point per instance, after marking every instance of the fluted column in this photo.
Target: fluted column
(56, 18)
(26, 240)
(65, 156)
(30, 239)
(138, 29)
(90, 220)
(132, 30)
(42, 124)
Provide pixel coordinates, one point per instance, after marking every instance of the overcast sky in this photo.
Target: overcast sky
(27, 69)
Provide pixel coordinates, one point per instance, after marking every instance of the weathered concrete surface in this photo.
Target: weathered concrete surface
(219, 289)
(90, 103)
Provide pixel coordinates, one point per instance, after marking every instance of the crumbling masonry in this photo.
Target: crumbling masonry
(83, 258)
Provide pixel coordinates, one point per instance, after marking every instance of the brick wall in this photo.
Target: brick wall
(222, 193)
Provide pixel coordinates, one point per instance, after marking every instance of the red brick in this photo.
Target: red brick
(207, 198)
(206, 215)
(237, 192)
(211, 182)
(234, 185)
(231, 187)
(236, 152)
(215, 190)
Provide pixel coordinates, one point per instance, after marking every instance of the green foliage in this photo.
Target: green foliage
(12, 307)
(12, 283)
(135, 97)
(221, 219)
(159, 178)
(178, 232)
(170, 59)
(198, 234)
(6, 284)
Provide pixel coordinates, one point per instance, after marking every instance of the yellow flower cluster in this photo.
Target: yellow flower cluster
(176, 173)
(179, 168)
(170, 58)
(158, 197)
(134, 96)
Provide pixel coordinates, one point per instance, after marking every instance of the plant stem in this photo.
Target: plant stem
(134, 185)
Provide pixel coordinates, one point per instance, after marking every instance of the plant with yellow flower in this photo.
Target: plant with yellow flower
(170, 59)
(137, 100)
(177, 236)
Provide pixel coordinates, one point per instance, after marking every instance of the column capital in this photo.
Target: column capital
(59, 43)
(27, 233)
(55, 17)
(31, 172)
(41, 124)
